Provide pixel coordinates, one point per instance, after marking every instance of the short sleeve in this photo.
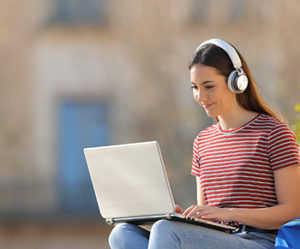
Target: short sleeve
(196, 159)
(282, 148)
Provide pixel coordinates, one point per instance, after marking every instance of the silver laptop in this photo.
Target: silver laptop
(131, 185)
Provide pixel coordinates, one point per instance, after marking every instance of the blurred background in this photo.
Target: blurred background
(79, 73)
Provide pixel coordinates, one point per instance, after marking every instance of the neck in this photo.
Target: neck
(236, 118)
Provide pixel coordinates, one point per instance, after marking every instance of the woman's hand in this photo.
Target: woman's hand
(209, 213)
(178, 209)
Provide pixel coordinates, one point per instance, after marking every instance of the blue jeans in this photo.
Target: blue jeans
(167, 234)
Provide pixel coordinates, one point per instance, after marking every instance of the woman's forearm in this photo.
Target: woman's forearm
(266, 218)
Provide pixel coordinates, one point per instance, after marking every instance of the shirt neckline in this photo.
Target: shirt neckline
(237, 129)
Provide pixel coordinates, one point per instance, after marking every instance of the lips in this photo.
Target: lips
(207, 106)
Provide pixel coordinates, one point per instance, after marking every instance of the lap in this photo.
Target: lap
(171, 234)
(193, 236)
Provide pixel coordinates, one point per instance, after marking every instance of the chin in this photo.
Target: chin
(211, 114)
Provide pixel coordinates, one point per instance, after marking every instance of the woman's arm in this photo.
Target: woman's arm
(287, 185)
(200, 196)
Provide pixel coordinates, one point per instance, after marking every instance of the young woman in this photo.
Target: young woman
(246, 165)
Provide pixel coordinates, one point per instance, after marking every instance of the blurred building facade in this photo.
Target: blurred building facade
(78, 73)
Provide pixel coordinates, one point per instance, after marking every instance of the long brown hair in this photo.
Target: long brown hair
(250, 99)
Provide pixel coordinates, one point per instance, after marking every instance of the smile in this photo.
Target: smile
(207, 106)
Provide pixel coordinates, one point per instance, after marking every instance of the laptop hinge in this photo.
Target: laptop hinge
(110, 221)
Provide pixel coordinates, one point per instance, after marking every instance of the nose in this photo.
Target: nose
(199, 96)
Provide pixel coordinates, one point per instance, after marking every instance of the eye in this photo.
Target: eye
(209, 87)
(194, 87)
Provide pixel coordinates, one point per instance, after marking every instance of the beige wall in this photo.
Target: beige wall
(138, 61)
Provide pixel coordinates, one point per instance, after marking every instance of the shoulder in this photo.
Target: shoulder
(282, 146)
(272, 124)
(269, 121)
(279, 137)
(208, 132)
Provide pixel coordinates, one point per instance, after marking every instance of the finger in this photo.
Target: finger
(208, 214)
(178, 209)
(202, 212)
(210, 217)
(194, 211)
(188, 210)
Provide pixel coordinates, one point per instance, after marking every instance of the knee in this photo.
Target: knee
(125, 236)
(164, 235)
(118, 235)
(163, 227)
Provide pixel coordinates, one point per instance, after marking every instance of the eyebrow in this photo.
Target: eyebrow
(203, 83)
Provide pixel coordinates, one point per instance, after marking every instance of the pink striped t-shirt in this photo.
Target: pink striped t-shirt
(236, 167)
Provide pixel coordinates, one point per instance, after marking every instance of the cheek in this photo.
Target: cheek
(215, 95)
(195, 96)
(222, 93)
(227, 99)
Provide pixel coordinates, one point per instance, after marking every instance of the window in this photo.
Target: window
(80, 12)
(81, 124)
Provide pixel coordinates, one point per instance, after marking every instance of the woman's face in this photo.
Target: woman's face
(210, 90)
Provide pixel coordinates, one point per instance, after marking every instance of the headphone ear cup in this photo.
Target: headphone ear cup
(237, 83)
(230, 81)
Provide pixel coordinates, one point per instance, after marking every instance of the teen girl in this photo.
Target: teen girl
(246, 165)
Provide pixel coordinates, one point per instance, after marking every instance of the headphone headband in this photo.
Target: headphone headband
(237, 80)
(234, 57)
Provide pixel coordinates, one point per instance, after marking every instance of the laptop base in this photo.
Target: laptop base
(147, 221)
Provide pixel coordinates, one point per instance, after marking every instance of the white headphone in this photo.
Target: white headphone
(237, 80)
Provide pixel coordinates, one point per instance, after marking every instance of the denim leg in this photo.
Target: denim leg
(178, 235)
(267, 240)
(128, 236)
(164, 234)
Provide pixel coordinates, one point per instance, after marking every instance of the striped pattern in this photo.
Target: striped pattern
(236, 167)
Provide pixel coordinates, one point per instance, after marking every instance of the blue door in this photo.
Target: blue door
(81, 124)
